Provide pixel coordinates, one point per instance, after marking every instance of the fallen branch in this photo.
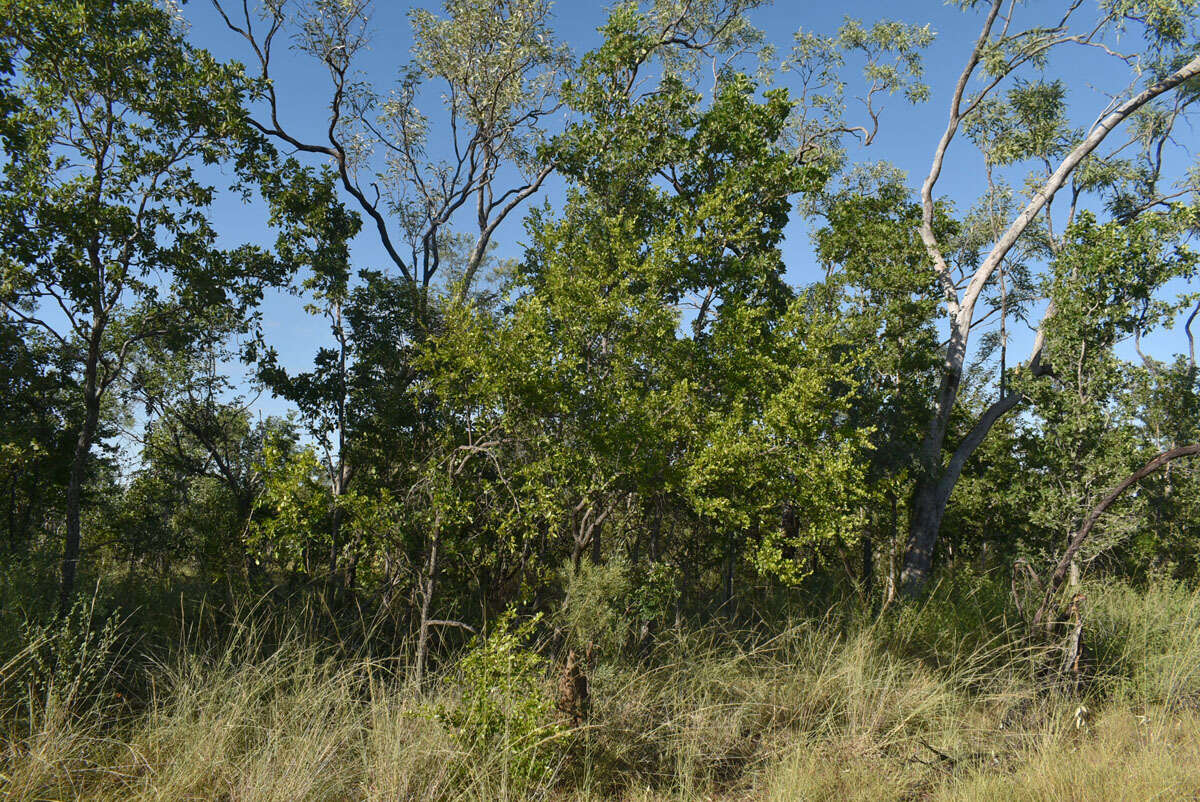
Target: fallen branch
(459, 624)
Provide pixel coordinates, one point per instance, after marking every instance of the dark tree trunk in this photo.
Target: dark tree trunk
(79, 464)
(929, 506)
(730, 563)
(934, 488)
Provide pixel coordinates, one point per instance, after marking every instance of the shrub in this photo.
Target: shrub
(505, 706)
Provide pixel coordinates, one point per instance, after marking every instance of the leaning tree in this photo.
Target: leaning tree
(1021, 122)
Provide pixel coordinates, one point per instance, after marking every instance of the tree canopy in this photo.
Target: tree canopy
(584, 353)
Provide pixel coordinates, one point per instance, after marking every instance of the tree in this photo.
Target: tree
(877, 284)
(647, 361)
(1089, 422)
(1164, 399)
(201, 441)
(315, 231)
(1031, 126)
(106, 246)
(36, 405)
(499, 69)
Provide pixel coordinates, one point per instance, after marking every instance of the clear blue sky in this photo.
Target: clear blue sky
(907, 135)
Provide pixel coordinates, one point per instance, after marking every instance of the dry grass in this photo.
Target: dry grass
(821, 712)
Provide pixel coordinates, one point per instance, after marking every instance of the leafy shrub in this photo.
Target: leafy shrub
(593, 612)
(506, 707)
(67, 659)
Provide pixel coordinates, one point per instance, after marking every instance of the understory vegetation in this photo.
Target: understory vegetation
(944, 701)
(617, 418)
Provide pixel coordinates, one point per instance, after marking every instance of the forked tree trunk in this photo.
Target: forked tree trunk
(933, 490)
(937, 482)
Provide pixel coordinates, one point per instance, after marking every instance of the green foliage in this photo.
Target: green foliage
(295, 504)
(1166, 23)
(637, 424)
(1105, 283)
(1029, 124)
(501, 59)
(109, 250)
(656, 591)
(142, 109)
(36, 407)
(594, 613)
(506, 704)
(891, 56)
(66, 662)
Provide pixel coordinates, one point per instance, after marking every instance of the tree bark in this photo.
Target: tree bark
(340, 577)
(731, 560)
(933, 490)
(929, 505)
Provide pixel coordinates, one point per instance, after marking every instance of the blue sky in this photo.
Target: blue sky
(907, 136)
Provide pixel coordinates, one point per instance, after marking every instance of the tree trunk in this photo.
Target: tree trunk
(731, 558)
(339, 481)
(427, 591)
(893, 539)
(932, 493)
(928, 508)
(79, 461)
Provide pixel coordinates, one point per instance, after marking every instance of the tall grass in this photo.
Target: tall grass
(942, 702)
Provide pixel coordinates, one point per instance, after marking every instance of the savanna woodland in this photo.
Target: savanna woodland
(679, 399)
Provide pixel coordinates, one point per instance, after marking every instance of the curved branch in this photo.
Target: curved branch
(1187, 329)
(939, 157)
(1064, 564)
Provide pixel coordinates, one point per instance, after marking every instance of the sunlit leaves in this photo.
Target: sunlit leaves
(891, 57)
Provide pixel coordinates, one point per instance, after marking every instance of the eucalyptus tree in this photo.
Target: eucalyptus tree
(416, 171)
(875, 281)
(106, 245)
(1003, 102)
(497, 67)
